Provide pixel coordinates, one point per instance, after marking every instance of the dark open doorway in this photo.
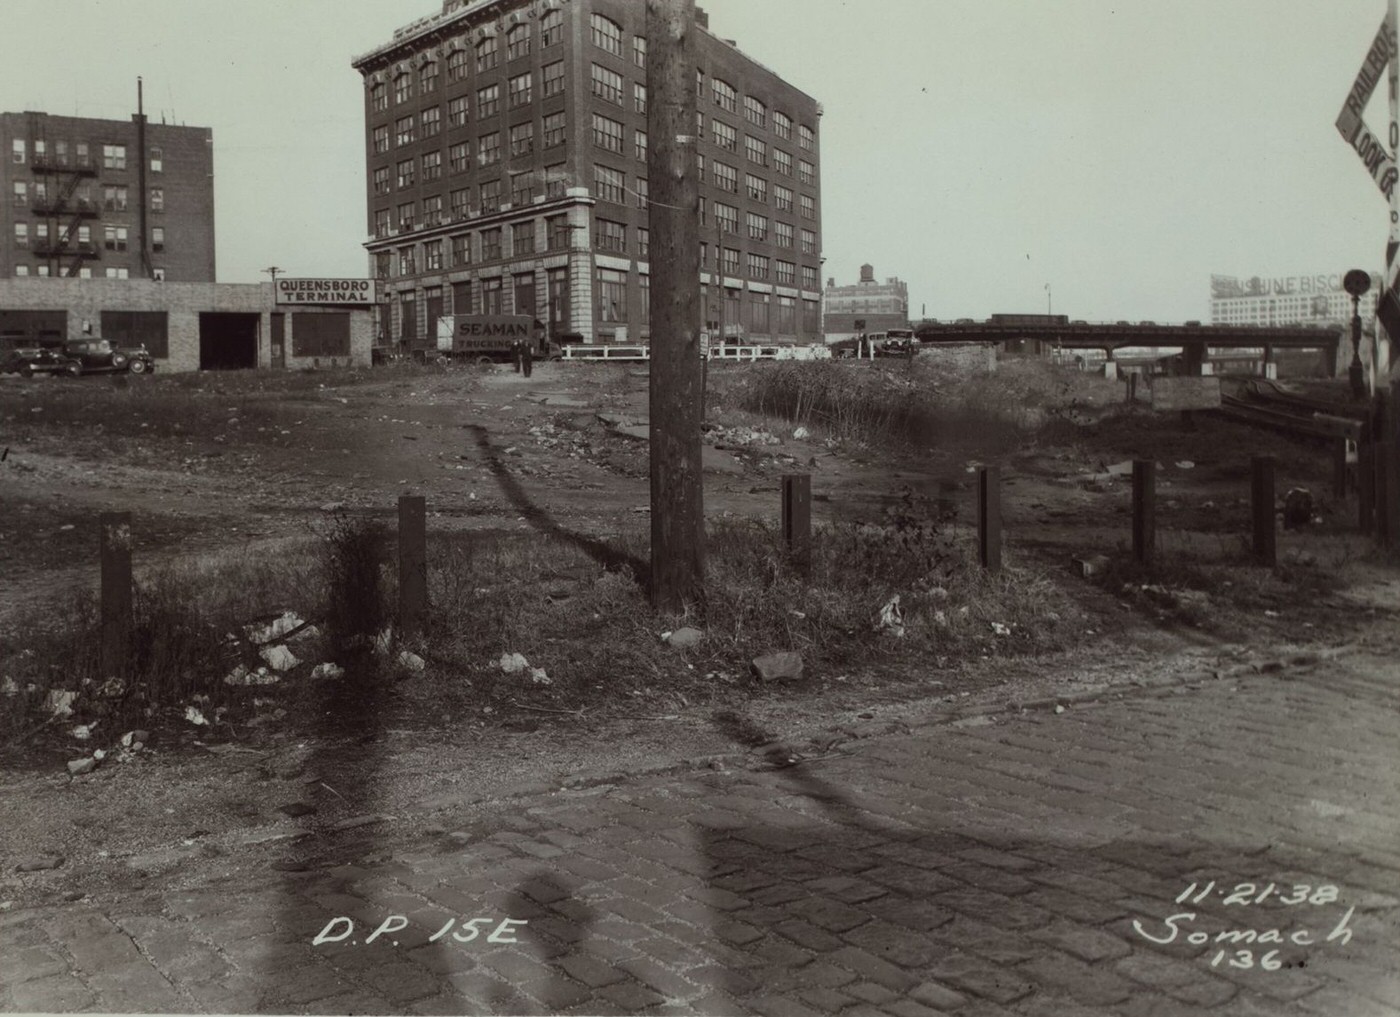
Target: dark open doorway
(228, 341)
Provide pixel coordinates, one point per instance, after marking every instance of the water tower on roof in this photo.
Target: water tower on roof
(867, 273)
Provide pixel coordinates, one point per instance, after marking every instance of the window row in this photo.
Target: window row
(113, 156)
(115, 197)
(115, 238)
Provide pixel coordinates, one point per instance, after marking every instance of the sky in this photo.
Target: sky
(1095, 158)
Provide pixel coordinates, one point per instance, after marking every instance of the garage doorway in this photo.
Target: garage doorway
(228, 342)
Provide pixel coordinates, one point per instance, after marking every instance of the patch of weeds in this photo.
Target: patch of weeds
(357, 586)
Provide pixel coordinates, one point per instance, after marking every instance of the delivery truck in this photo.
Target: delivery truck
(491, 338)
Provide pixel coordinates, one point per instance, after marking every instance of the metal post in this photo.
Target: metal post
(797, 518)
(1144, 509)
(1339, 468)
(676, 373)
(989, 517)
(1262, 499)
(413, 564)
(1356, 373)
(115, 545)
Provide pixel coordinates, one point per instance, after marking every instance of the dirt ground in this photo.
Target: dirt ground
(563, 432)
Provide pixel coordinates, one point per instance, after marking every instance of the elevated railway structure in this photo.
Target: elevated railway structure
(1127, 342)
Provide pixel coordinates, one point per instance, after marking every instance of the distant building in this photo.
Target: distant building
(105, 199)
(882, 306)
(1288, 300)
(506, 171)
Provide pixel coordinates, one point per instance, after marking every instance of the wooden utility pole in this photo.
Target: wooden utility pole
(677, 492)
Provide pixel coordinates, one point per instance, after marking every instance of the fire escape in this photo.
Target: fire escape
(57, 179)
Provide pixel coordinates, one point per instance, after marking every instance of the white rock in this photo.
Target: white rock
(800, 433)
(411, 661)
(1000, 629)
(327, 670)
(60, 703)
(538, 676)
(83, 732)
(276, 629)
(512, 663)
(194, 716)
(279, 658)
(78, 767)
(684, 637)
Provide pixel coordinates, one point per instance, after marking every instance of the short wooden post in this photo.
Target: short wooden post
(797, 518)
(1144, 509)
(1262, 491)
(1339, 468)
(413, 564)
(115, 544)
(1387, 494)
(1366, 483)
(989, 517)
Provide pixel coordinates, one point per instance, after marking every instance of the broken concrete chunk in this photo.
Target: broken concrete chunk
(411, 661)
(327, 671)
(78, 767)
(683, 638)
(785, 665)
(40, 863)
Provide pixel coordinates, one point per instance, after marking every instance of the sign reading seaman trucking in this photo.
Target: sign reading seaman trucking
(356, 292)
(1170, 393)
(483, 331)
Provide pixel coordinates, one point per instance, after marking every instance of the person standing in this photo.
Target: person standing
(527, 357)
(515, 354)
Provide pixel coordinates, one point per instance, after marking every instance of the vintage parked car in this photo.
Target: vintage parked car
(32, 360)
(99, 356)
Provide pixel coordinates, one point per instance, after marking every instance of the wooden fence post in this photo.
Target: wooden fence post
(1262, 498)
(989, 517)
(115, 545)
(1144, 509)
(413, 564)
(797, 518)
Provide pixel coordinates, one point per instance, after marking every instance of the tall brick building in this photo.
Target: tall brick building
(72, 199)
(506, 158)
(881, 306)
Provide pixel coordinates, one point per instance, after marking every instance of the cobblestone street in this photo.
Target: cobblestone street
(1044, 863)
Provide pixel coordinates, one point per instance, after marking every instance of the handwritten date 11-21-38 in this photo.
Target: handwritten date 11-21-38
(1250, 893)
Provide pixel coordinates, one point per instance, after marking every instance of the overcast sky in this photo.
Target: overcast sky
(1120, 152)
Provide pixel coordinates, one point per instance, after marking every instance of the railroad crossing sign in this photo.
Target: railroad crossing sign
(1375, 155)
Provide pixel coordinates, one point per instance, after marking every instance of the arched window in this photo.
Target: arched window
(403, 87)
(379, 96)
(552, 28)
(486, 54)
(518, 42)
(427, 77)
(607, 34)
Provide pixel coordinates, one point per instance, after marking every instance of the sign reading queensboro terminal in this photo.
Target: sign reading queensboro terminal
(340, 292)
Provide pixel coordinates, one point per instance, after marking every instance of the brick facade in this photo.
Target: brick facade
(70, 199)
(548, 99)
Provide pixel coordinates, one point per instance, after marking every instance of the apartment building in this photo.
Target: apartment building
(506, 173)
(113, 199)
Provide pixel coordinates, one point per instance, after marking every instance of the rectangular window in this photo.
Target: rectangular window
(639, 97)
(132, 328)
(755, 112)
(782, 198)
(782, 233)
(811, 315)
(522, 188)
(806, 137)
(522, 238)
(557, 232)
(431, 119)
(118, 273)
(552, 28)
(114, 157)
(320, 335)
(782, 162)
(554, 78)
(725, 96)
(782, 125)
(457, 111)
(730, 263)
(432, 166)
(432, 256)
(644, 292)
(491, 289)
(403, 131)
(427, 77)
(786, 272)
(556, 180)
(643, 242)
(554, 128)
(611, 236)
(406, 215)
(80, 154)
(157, 159)
(608, 184)
(114, 199)
(607, 85)
(756, 151)
(758, 226)
(487, 54)
(432, 210)
(758, 266)
(518, 42)
(700, 168)
(461, 255)
(612, 295)
(115, 238)
(488, 101)
(381, 180)
(727, 216)
(403, 88)
(158, 239)
(457, 65)
(381, 222)
(726, 176)
(639, 50)
(809, 207)
(787, 315)
(381, 139)
(809, 242)
(404, 177)
(22, 234)
(491, 244)
(19, 148)
(607, 133)
(725, 136)
(758, 314)
(809, 277)
(157, 199)
(643, 192)
(806, 172)
(408, 318)
(607, 34)
(522, 138)
(459, 157)
(639, 146)
(490, 195)
(488, 150)
(521, 89)
(461, 202)
(757, 187)
(21, 193)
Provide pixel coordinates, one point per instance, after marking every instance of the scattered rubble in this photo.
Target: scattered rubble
(683, 638)
(890, 620)
(78, 767)
(785, 665)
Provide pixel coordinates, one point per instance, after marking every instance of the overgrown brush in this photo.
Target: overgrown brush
(357, 587)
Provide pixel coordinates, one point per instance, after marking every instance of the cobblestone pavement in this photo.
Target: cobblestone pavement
(1046, 863)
